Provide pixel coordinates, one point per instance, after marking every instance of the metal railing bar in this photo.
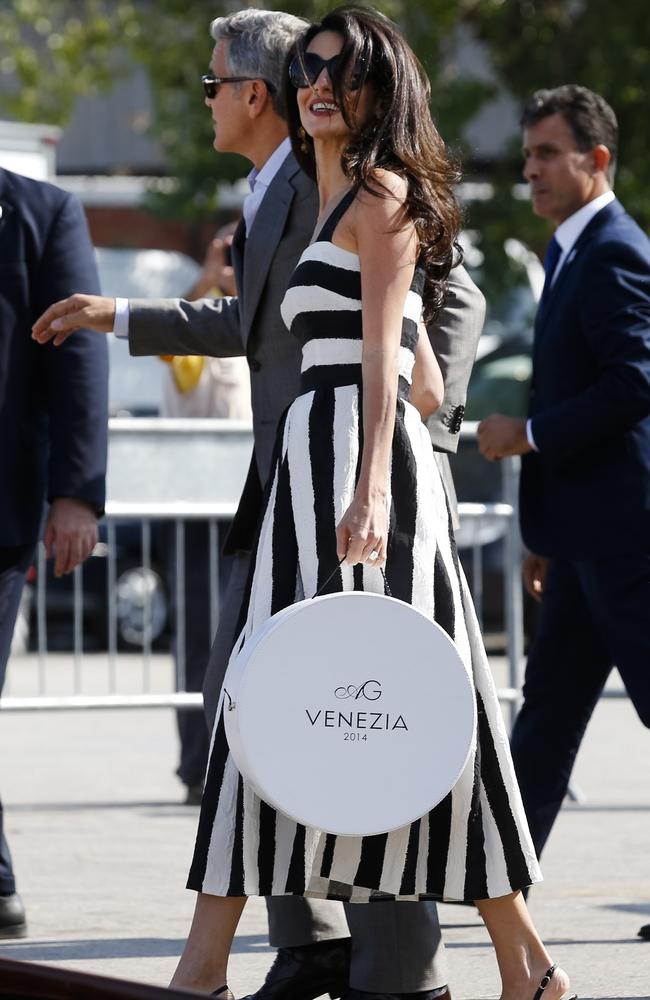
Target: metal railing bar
(213, 542)
(111, 581)
(180, 606)
(41, 617)
(77, 613)
(512, 585)
(65, 703)
(172, 511)
(147, 609)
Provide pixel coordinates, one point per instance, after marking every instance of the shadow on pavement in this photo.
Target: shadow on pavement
(635, 940)
(162, 808)
(60, 951)
(642, 908)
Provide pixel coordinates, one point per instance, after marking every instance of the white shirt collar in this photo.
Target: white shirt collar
(265, 175)
(568, 231)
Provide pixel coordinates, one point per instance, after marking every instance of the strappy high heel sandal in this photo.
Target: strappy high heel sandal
(221, 991)
(546, 978)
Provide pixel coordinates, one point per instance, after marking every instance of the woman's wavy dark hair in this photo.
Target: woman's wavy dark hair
(400, 136)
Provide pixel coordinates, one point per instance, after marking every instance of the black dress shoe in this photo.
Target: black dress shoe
(441, 992)
(645, 932)
(308, 971)
(12, 917)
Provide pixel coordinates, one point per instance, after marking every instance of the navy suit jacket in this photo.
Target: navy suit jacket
(587, 492)
(53, 401)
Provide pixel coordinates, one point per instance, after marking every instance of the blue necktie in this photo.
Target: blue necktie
(553, 254)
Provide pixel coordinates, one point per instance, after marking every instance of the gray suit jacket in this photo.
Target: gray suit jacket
(454, 337)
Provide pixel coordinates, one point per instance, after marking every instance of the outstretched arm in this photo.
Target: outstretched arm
(156, 326)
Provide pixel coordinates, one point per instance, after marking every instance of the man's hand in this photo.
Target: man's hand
(534, 570)
(92, 312)
(70, 533)
(499, 437)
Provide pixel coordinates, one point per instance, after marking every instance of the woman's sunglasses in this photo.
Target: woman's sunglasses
(211, 83)
(306, 67)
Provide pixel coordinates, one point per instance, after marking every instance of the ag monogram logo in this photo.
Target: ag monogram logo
(370, 690)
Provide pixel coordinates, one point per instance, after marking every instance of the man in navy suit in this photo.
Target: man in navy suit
(585, 483)
(53, 416)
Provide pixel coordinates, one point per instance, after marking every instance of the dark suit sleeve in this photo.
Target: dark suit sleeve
(74, 377)
(615, 319)
(211, 327)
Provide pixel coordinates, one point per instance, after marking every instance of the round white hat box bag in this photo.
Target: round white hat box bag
(352, 713)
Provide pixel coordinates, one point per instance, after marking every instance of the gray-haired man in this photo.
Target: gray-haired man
(392, 949)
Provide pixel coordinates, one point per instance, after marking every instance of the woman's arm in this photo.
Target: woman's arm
(387, 248)
(427, 388)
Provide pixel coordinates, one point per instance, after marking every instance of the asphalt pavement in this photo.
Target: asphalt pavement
(102, 841)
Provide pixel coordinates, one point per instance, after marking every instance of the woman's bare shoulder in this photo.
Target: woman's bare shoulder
(382, 206)
(389, 185)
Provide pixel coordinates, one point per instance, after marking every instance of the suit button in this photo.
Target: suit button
(255, 365)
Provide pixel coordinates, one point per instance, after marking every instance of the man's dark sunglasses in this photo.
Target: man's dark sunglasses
(212, 83)
(305, 69)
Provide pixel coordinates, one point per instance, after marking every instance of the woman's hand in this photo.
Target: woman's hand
(363, 530)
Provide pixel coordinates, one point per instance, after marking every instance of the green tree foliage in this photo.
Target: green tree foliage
(53, 51)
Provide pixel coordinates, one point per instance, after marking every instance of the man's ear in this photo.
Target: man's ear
(601, 157)
(258, 98)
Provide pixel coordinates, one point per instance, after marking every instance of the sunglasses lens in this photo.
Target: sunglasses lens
(210, 87)
(297, 74)
(305, 70)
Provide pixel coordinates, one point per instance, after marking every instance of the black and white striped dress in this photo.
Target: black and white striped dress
(475, 843)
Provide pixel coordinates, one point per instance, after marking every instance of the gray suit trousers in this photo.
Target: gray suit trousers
(396, 947)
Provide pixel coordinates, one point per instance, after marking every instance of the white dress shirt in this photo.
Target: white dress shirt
(260, 181)
(567, 234)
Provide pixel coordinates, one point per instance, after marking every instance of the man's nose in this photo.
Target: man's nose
(531, 169)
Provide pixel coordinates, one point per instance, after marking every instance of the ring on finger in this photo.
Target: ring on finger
(374, 555)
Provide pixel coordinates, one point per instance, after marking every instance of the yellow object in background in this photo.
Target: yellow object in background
(186, 370)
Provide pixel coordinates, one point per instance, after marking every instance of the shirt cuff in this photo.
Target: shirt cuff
(121, 324)
(529, 435)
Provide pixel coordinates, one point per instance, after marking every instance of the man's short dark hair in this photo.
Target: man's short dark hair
(588, 115)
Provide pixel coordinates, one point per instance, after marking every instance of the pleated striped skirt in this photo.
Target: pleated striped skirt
(475, 844)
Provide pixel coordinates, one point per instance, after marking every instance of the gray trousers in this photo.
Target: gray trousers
(396, 947)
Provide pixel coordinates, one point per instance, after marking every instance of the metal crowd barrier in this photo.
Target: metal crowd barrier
(177, 470)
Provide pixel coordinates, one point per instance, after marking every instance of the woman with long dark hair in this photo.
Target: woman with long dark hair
(355, 480)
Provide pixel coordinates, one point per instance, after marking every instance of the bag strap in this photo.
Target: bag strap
(335, 570)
